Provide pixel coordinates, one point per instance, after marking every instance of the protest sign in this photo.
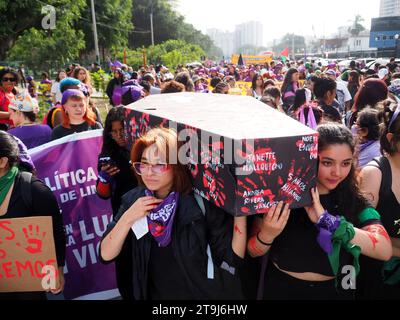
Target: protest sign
(68, 166)
(26, 247)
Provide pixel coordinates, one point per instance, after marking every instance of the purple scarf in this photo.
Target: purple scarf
(311, 121)
(161, 219)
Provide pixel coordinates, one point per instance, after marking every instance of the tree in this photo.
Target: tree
(356, 27)
(170, 53)
(18, 16)
(41, 49)
(168, 24)
(114, 23)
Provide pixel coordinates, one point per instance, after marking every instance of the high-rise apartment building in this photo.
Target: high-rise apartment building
(249, 33)
(389, 8)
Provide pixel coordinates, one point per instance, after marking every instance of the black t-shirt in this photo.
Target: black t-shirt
(392, 66)
(331, 113)
(60, 131)
(43, 204)
(164, 282)
(296, 249)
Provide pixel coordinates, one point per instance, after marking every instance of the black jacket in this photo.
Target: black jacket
(190, 235)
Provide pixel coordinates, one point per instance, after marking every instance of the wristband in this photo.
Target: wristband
(262, 242)
(104, 177)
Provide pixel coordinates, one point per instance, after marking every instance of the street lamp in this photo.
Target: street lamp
(151, 22)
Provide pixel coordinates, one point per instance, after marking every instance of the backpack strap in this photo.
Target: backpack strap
(26, 190)
(210, 263)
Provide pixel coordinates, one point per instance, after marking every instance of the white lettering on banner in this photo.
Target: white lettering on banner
(85, 236)
(69, 179)
(82, 254)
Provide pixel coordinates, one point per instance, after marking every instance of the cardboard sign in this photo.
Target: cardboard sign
(26, 246)
(243, 155)
(241, 88)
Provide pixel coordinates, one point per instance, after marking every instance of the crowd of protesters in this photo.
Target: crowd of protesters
(354, 218)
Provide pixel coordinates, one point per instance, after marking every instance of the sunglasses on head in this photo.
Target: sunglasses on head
(5, 79)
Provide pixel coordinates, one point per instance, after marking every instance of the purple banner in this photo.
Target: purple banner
(68, 166)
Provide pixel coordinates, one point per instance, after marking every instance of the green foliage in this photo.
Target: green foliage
(23, 39)
(170, 53)
(42, 49)
(19, 16)
(113, 20)
(168, 24)
(100, 80)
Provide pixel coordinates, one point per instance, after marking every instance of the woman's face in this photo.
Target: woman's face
(81, 75)
(335, 163)
(295, 77)
(8, 82)
(116, 75)
(62, 75)
(260, 81)
(158, 179)
(118, 133)
(75, 109)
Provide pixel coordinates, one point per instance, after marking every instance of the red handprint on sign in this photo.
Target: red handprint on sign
(34, 239)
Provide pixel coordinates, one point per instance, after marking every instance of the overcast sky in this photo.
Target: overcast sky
(278, 17)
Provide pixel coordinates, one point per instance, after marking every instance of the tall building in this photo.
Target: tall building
(223, 40)
(249, 33)
(389, 8)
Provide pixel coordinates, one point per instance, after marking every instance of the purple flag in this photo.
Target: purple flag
(68, 166)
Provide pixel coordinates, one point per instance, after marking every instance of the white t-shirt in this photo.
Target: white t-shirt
(55, 89)
(343, 94)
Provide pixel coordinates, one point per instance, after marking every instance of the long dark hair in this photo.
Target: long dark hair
(288, 80)
(9, 148)
(322, 86)
(254, 81)
(388, 126)
(299, 99)
(347, 196)
(110, 147)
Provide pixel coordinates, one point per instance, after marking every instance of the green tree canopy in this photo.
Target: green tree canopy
(170, 53)
(41, 48)
(168, 24)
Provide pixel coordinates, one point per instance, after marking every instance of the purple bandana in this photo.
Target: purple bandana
(161, 219)
(327, 226)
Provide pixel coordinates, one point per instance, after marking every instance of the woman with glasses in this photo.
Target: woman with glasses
(8, 82)
(115, 179)
(171, 257)
(75, 114)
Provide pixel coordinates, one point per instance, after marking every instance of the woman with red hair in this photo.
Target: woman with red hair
(370, 93)
(75, 114)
